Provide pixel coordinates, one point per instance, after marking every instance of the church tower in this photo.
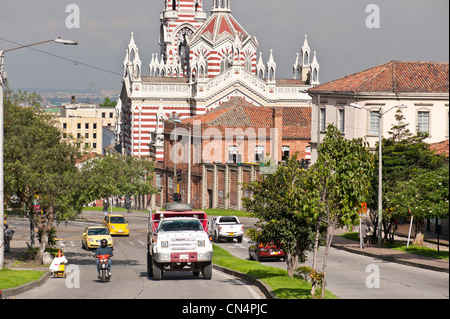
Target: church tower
(179, 20)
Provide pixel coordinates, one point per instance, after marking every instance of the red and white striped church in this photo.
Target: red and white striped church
(204, 62)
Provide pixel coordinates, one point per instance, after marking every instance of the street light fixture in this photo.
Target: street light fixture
(380, 183)
(2, 82)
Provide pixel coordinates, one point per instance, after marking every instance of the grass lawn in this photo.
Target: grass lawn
(423, 251)
(281, 284)
(14, 278)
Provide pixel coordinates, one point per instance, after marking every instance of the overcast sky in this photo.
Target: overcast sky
(408, 30)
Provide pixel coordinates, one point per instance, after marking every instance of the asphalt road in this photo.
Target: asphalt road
(350, 276)
(129, 277)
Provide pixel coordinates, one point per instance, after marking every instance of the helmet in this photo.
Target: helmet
(104, 242)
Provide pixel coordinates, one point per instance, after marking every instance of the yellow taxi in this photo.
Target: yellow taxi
(116, 224)
(92, 236)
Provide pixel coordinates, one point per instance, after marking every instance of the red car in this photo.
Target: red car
(267, 251)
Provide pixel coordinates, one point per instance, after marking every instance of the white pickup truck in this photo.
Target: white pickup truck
(227, 227)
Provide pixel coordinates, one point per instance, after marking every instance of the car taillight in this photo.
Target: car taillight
(260, 246)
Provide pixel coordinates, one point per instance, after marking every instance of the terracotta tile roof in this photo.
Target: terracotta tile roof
(441, 148)
(395, 76)
(238, 112)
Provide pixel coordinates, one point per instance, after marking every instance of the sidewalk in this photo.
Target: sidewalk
(398, 256)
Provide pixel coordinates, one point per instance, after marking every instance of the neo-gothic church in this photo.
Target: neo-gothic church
(204, 62)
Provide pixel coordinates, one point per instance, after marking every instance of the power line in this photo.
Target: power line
(75, 62)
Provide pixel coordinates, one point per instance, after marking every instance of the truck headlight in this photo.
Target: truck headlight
(164, 244)
(201, 243)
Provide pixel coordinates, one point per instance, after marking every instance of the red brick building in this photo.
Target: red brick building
(219, 150)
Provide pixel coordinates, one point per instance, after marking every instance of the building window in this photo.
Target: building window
(64, 126)
(341, 120)
(285, 150)
(322, 119)
(233, 154)
(374, 122)
(259, 153)
(111, 115)
(86, 126)
(86, 135)
(95, 126)
(94, 145)
(248, 64)
(94, 135)
(423, 121)
(225, 63)
(79, 126)
(103, 114)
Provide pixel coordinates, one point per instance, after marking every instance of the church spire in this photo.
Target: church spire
(221, 5)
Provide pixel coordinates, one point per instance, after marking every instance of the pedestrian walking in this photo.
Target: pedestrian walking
(105, 206)
(128, 204)
(8, 235)
(363, 233)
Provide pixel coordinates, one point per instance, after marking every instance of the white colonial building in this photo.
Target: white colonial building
(204, 62)
(364, 104)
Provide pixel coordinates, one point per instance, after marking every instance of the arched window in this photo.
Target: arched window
(225, 62)
(271, 74)
(315, 75)
(248, 64)
(261, 74)
(306, 58)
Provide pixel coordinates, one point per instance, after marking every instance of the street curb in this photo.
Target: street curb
(11, 292)
(391, 259)
(265, 289)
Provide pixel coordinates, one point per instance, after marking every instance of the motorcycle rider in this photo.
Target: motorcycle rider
(103, 249)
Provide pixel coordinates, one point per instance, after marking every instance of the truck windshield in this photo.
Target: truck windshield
(181, 225)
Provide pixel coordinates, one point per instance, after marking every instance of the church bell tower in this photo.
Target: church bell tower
(179, 20)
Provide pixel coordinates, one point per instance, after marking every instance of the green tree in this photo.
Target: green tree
(338, 182)
(403, 155)
(116, 174)
(37, 163)
(108, 103)
(425, 194)
(276, 200)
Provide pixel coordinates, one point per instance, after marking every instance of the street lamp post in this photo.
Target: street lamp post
(2, 83)
(175, 119)
(380, 154)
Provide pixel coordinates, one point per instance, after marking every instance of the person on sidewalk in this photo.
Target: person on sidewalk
(105, 206)
(8, 235)
(363, 233)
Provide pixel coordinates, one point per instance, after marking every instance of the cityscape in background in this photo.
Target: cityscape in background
(58, 97)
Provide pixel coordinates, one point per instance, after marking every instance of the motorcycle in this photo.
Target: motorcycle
(104, 271)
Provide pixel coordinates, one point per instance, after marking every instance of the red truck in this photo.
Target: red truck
(177, 240)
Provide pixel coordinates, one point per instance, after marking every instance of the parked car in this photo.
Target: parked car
(117, 225)
(91, 237)
(265, 251)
